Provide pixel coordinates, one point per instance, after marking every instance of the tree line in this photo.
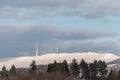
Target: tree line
(85, 71)
(96, 70)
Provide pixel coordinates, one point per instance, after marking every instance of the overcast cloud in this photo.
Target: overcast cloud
(16, 40)
(29, 9)
(25, 22)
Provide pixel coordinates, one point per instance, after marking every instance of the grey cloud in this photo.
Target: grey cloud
(29, 3)
(28, 9)
(15, 40)
(44, 32)
(9, 12)
(94, 9)
(94, 46)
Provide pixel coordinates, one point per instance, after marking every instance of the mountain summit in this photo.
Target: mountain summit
(24, 62)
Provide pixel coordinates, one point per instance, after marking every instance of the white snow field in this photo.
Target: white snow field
(24, 62)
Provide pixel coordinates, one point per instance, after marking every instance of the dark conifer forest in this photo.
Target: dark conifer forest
(75, 70)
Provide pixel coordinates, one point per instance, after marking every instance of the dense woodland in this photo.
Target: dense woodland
(63, 71)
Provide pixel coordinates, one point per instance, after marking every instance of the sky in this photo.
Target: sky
(69, 25)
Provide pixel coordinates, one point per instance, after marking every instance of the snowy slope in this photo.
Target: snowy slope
(49, 58)
(115, 64)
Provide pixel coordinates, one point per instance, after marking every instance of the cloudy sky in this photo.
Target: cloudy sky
(70, 25)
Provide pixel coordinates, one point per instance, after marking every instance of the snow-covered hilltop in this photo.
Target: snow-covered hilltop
(49, 58)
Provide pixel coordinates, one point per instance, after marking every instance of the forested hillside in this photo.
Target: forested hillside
(82, 70)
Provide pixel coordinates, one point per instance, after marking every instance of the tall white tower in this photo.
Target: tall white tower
(57, 50)
(36, 49)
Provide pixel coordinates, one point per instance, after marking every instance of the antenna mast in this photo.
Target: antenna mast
(57, 50)
(36, 49)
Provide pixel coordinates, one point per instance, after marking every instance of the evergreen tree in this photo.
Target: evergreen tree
(102, 69)
(93, 68)
(4, 72)
(52, 67)
(74, 68)
(84, 69)
(65, 67)
(33, 67)
(13, 70)
(58, 67)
